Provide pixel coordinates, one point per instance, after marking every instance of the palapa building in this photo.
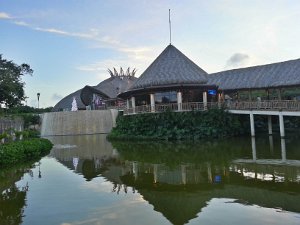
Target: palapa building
(173, 79)
(102, 96)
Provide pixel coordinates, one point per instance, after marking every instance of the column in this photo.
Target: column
(270, 125)
(133, 104)
(271, 144)
(205, 100)
(179, 100)
(281, 125)
(127, 103)
(252, 124)
(219, 100)
(283, 150)
(152, 102)
(253, 144)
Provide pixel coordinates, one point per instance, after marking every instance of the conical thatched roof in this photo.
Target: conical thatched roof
(169, 68)
(282, 74)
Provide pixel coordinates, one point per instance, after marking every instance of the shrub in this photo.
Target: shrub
(214, 123)
(22, 151)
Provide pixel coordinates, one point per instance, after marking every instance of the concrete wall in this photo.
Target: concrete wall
(79, 122)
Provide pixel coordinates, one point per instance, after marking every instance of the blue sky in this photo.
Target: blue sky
(72, 43)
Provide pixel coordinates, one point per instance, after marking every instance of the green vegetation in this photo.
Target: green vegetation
(22, 151)
(214, 123)
(12, 87)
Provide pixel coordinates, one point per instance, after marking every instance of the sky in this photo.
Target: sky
(72, 43)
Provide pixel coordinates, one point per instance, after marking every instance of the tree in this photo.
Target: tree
(11, 85)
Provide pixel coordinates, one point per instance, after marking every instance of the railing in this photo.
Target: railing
(286, 105)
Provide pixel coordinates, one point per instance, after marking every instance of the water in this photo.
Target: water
(88, 180)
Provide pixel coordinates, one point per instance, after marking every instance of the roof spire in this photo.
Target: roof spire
(170, 26)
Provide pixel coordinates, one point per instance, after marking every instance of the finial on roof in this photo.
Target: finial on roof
(128, 73)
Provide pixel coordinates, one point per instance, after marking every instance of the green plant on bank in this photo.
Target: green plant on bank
(11, 134)
(213, 123)
(22, 151)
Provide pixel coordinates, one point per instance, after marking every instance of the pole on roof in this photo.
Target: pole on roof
(170, 25)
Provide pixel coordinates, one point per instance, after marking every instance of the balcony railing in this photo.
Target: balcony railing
(284, 105)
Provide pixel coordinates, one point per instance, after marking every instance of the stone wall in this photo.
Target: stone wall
(79, 122)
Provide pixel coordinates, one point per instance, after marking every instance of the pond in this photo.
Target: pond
(88, 180)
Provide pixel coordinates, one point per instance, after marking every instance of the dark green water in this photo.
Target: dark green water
(88, 180)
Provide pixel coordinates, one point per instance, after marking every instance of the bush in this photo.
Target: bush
(22, 151)
(214, 123)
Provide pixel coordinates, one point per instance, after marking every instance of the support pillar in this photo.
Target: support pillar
(219, 100)
(281, 125)
(205, 100)
(253, 144)
(271, 144)
(133, 104)
(152, 102)
(252, 124)
(127, 103)
(179, 100)
(270, 125)
(283, 150)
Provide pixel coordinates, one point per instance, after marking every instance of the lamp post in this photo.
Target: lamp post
(38, 97)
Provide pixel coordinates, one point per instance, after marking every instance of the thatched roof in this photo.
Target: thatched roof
(66, 102)
(273, 75)
(169, 68)
(108, 89)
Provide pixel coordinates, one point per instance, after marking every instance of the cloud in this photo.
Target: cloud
(5, 16)
(237, 59)
(56, 97)
(21, 23)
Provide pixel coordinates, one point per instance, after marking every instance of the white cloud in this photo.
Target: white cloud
(4, 15)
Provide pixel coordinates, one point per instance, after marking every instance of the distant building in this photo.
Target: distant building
(101, 96)
(174, 78)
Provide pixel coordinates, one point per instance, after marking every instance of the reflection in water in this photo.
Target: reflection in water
(13, 198)
(172, 175)
(180, 180)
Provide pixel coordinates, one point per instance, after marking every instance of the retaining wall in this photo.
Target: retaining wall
(79, 122)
